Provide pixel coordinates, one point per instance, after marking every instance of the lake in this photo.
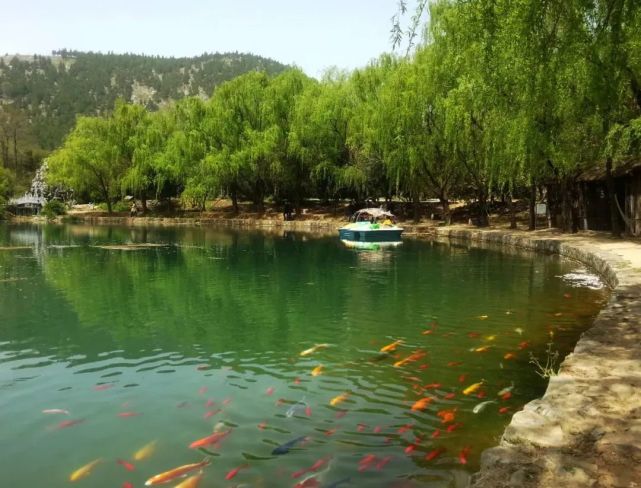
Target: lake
(127, 345)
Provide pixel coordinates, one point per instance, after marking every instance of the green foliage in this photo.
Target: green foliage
(53, 208)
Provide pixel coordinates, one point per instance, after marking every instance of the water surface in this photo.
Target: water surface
(204, 331)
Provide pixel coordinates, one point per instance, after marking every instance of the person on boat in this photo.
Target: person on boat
(387, 221)
(134, 210)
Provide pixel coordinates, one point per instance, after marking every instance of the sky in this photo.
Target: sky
(312, 34)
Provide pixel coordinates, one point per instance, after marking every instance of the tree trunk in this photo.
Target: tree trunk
(447, 214)
(614, 217)
(566, 207)
(234, 200)
(416, 205)
(483, 220)
(510, 203)
(143, 203)
(532, 225)
(109, 209)
(15, 148)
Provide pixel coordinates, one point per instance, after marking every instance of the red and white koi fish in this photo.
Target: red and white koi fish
(430, 456)
(128, 414)
(383, 462)
(269, 391)
(103, 387)
(128, 466)
(447, 416)
(69, 423)
(172, 474)
(453, 427)
(365, 462)
(462, 456)
(211, 413)
(235, 471)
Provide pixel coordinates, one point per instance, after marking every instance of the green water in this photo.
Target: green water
(214, 321)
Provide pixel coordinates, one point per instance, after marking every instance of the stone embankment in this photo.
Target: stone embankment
(586, 430)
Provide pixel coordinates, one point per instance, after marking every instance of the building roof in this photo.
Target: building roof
(375, 212)
(597, 173)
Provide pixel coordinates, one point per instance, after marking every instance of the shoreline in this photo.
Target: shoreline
(586, 429)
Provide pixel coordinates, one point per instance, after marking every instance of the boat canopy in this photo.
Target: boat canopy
(369, 213)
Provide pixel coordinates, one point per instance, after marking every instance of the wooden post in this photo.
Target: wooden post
(614, 217)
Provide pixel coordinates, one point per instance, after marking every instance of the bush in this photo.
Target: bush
(53, 208)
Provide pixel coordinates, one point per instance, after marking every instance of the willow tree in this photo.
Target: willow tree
(290, 176)
(319, 132)
(89, 162)
(245, 159)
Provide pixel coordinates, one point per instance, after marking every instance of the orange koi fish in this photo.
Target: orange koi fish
(84, 471)
(405, 428)
(461, 378)
(262, 425)
(127, 484)
(269, 391)
(391, 347)
(318, 370)
(523, 345)
(504, 410)
(128, 466)
(422, 403)
(473, 335)
(436, 434)
(412, 357)
(308, 411)
(339, 399)
(146, 451)
(235, 471)
(340, 414)
(191, 482)
(360, 427)
(509, 355)
(567, 295)
(210, 403)
(481, 394)
(462, 456)
(430, 456)
(172, 474)
(472, 388)
(449, 396)
(428, 332)
(432, 386)
(331, 431)
(482, 349)
(453, 364)
(210, 439)
(447, 416)
(377, 429)
(506, 396)
(312, 350)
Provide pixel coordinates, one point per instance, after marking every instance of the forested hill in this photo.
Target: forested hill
(49, 91)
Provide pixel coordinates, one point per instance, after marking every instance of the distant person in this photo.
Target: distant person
(287, 212)
(134, 210)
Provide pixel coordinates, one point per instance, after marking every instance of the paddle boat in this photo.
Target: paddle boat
(371, 225)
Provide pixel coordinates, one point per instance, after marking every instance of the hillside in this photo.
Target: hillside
(41, 95)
